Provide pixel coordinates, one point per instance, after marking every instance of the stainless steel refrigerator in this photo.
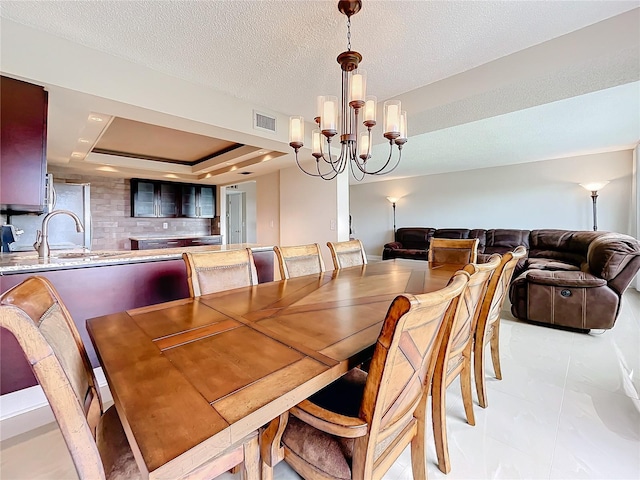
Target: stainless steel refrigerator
(62, 229)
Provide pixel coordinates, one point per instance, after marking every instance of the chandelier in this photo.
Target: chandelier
(355, 107)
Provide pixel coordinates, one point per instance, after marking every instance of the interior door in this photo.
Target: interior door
(235, 220)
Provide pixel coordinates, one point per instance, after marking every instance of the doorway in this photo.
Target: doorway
(236, 232)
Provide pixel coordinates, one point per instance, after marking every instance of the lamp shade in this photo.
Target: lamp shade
(593, 186)
(392, 199)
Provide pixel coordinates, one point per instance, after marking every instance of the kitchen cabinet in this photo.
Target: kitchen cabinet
(154, 199)
(198, 201)
(175, 242)
(195, 242)
(23, 160)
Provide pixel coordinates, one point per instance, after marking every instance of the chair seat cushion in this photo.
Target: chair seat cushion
(328, 454)
(116, 454)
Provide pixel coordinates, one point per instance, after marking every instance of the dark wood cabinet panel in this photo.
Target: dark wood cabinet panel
(23, 161)
(207, 202)
(151, 243)
(194, 242)
(198, 201)
(189, 203)
(154, 199)
(150, 198)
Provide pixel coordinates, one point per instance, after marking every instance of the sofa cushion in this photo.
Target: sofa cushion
(456, 233)
(481, 235)
(564, 245)
(564, 279)
(609, 254)
(549, 264)
(503, 240)
(416, 238)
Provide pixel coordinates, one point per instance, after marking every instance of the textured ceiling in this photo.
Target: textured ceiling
(467, 67)
(280, 53)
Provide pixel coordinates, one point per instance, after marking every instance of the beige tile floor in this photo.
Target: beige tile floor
(567, 408)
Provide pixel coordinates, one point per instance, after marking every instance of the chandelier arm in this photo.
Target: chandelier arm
(308, 173)
(354, 144)
(325, 176)
(354, 171)
(394, 167)
(341, 162)
(386, 164)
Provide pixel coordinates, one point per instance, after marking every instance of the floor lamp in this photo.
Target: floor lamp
(392, 201)
(593, 188)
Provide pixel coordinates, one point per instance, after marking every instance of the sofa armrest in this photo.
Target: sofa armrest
(564, 279)
(393, 245)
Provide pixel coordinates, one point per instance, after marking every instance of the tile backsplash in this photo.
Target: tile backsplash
(111, 214)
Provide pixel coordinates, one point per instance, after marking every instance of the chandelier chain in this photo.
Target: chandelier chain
(348, 33)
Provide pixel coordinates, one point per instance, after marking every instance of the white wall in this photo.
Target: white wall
(268, 209)
(311, 211)
(527, 196)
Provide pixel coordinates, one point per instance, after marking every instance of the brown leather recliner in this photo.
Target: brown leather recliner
(575, 279)
(571, 278)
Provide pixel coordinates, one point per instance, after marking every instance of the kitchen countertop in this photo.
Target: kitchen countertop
(28, 262)
(171, 237)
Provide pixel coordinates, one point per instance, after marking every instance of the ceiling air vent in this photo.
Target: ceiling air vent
(265, 122)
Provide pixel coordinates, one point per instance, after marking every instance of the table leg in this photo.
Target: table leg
(270, 449)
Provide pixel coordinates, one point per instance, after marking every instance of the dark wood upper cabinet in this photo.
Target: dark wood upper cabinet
(23, 160)
(154, 199)
(198, 201)
(150, 198)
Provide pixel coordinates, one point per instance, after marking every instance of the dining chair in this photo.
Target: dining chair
(347, 254)
(210, 272)
(488, 325)
(454, 356)
(34, 313)
(358, 425)
(457, 251)
(299, 260)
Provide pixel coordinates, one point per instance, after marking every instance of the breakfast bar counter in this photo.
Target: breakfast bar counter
(28, 262)
(100, 283)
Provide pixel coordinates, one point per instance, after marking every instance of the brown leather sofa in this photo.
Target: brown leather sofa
(571, 279)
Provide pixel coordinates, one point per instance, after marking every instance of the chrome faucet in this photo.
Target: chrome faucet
(42, 237)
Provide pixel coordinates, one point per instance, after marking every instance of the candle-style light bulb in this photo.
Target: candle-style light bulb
(316, 137)
(296, 131)
(370, 111)
(364, 146)
(328, 121)
(392, 116)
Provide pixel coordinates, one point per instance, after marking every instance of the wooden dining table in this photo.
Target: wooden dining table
(193, 377)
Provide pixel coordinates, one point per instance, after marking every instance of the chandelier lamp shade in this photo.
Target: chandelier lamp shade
(342, 118)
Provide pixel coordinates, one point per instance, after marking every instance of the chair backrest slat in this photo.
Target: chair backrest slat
(347, 254)
(33, 312)
(299, 260)
(402, 365)
(498, 288)
(468, 309)
(457, 251)
(210, 272)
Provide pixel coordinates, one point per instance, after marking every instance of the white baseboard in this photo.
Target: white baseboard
(27, 409)
(374, 258)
